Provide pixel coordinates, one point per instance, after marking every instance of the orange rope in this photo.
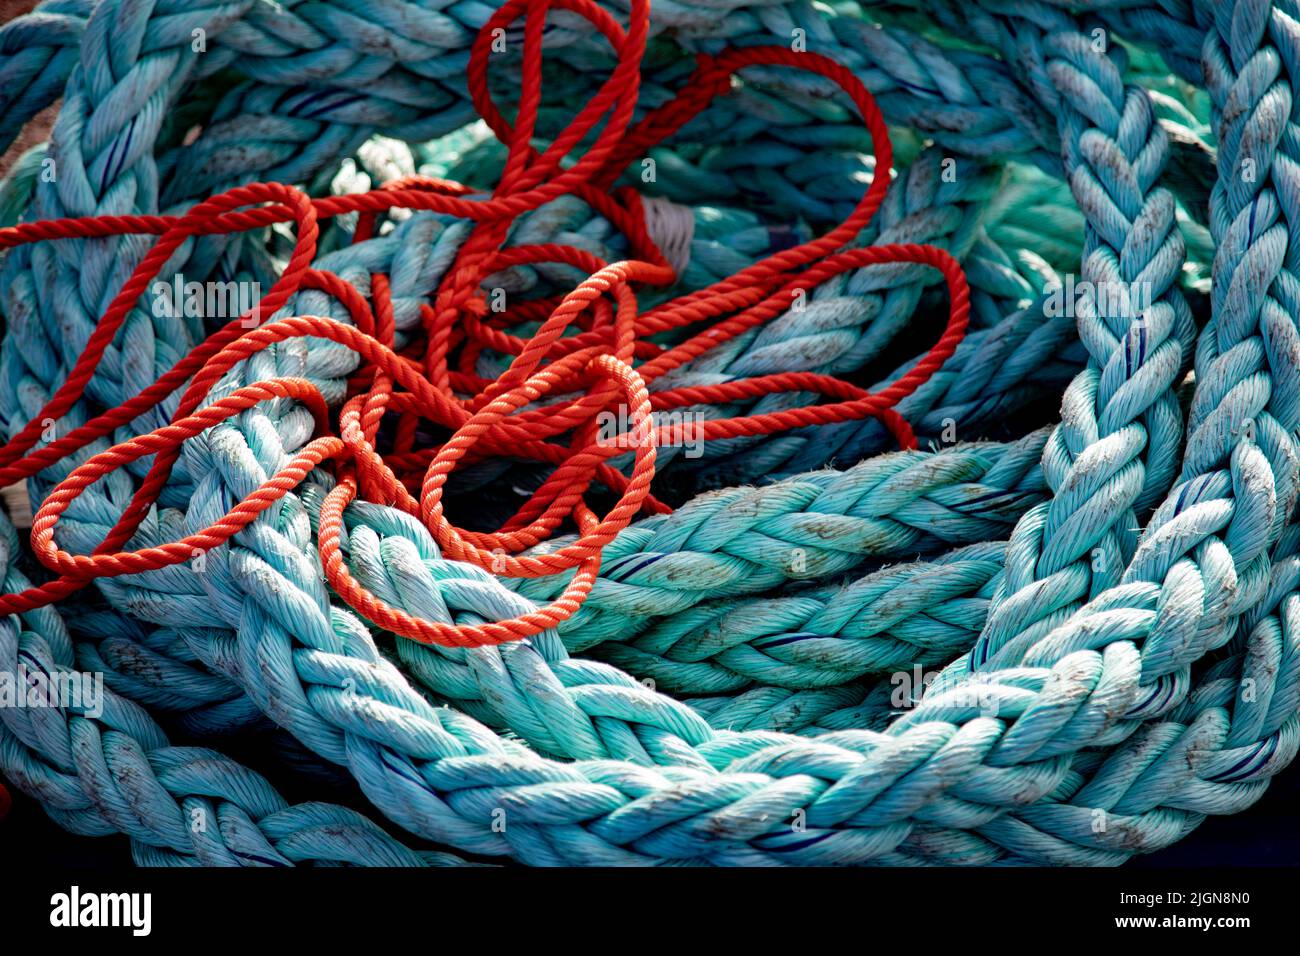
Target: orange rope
(433, 380)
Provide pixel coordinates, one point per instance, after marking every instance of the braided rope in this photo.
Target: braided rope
(697, 812)
(1195, 571)
(327, 93)
(1117, 446)
(109, 769)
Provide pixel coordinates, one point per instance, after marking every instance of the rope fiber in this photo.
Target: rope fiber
(485, 417)
(381, 518)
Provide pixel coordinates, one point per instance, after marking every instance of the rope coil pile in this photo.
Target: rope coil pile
(263, 504)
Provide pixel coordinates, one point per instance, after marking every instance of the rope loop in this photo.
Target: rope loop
(591, 357)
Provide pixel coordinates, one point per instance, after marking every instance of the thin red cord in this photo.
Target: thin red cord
(433, 378)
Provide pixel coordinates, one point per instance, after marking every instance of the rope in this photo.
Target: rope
(317, 90)
(114, 772)
(671, 228)
(494, 402)
(1134, 734)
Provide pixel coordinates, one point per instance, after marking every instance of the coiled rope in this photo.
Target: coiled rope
(761, 291)
(1150, 797)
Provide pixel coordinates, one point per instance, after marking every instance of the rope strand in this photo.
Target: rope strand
(486, 418)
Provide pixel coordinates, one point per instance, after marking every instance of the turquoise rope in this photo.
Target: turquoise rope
(607, 703)
(114, 772)
(314, 89)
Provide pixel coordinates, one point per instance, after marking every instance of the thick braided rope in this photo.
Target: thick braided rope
(37, 52)
(656, 727)
(337, 98)
(720, 544)
(890, 621)
(1253, 762)
(173, 597)
(1208, 545)
(1117, 448)
(821, 523)
(105, 766)
(1251, 754)
(428, 582)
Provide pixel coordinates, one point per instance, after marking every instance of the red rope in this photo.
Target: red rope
(433, 379)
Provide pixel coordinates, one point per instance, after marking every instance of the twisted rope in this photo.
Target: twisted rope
(114, 772)
(320, 84)
(946, 782)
